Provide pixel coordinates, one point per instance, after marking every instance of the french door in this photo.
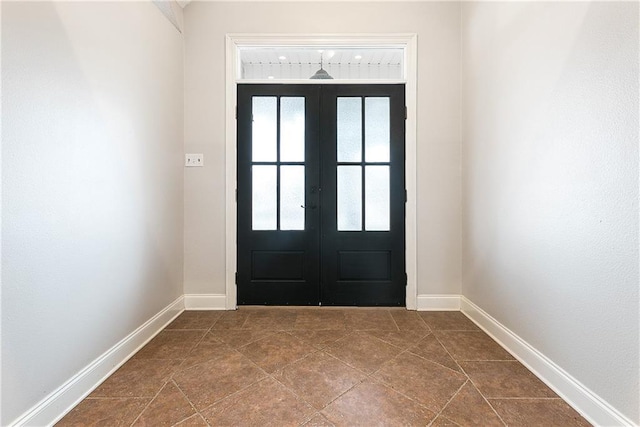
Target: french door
(321, 195)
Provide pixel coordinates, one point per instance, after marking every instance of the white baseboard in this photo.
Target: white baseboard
(597, 411)
(52, 408)
(205, 302)
(438, 303)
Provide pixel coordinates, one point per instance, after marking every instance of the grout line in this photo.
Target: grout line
(384, 384)
(470, 380)
(484, 397)
(450, 355)
(384, 364)
(525, 398)
(425, 323)
(190, 403)
(435, 362)
(199, 341)
(111, 398)
(394, 320)
(150, 402)
(217, 320)
(403, 347)
(235, 393)
(255, 341)
(389, 386)
(364, 378)
(449, 401)
(196, 415)
(309, 418)
(444, 418)
(324, 349)
(490, 405)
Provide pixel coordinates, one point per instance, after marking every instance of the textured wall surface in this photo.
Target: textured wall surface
(97, 217)
(438, 144)
(550, 164)
(92, 185)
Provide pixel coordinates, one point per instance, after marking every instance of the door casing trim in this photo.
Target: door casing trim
(233, 43)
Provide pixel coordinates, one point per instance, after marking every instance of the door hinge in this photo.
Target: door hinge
(406, 114)
(236, 277)
(406, 197)
(236, 195)
(236, 112)
(406, 279)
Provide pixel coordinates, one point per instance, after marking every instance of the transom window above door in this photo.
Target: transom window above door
(318, 63)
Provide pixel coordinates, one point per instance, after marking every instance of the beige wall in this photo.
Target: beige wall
(92, 177)
(92, 185)
(438, 143)
(550, 161)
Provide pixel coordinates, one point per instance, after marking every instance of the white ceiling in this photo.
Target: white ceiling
(301, 56)
(293, 63)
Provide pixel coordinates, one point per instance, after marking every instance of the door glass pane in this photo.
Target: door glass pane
(376, 198)
(349, 129)
(264, 197)
(264, 129)
(291, 198)
(292, 129)
(349, 198)
(376, 131)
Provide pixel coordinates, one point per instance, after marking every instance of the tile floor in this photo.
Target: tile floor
(322, 367)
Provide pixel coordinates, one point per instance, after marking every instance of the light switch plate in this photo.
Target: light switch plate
(194, 160)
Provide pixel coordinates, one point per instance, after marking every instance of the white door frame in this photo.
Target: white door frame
(236, 41)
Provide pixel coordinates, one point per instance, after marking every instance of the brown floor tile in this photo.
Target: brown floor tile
(104, 412)
(276, 320)
(237, 338)
(359, 319)
(231, 320)
(193, 421)
(408, 320)
(472, 345)
(448, 321)
(357, 366)
(319, 378)
(195, 320)
(170, 406)
(362, 351)
(428, 383)
(371, 404)
(505, 380)
(320, 339)
(538, 413)
(211, 381)
(137, 378)
(267, 403)
(469, 409)
(171, 344)
(320, 320)
(430, 348)
(318, 421)
(400, 339)
(276, 351)
(208, 349)
(443, 422)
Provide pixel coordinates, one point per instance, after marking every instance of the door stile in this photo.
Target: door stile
(323, 264)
